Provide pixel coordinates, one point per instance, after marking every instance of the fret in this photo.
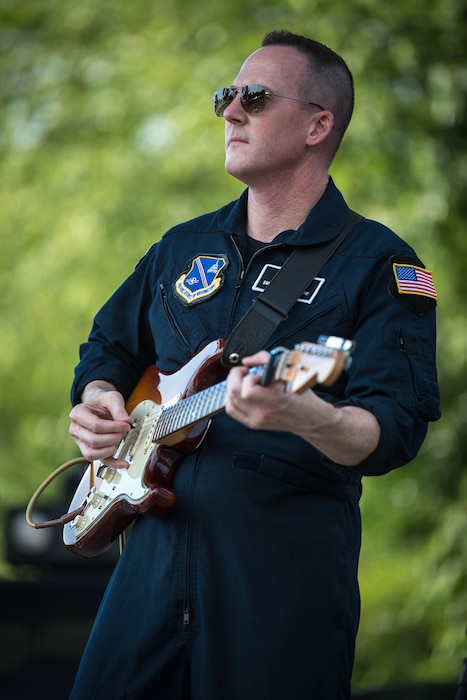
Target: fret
(190, 410)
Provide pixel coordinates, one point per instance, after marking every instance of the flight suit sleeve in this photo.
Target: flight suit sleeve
(120, 346)
(393, 373)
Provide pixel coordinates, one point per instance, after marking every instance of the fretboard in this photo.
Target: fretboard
(191, 410)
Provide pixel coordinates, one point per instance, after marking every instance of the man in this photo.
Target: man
(248, 588)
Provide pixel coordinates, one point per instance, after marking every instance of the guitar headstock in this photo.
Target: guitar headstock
(308, 364)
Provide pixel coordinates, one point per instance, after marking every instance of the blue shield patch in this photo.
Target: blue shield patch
(203, 278)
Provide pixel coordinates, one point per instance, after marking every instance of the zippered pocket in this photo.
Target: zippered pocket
(176, 328)
(413, 371)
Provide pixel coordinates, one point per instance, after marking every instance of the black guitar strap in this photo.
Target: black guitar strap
(272, 306)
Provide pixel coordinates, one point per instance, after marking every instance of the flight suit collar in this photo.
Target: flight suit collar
(325, 220)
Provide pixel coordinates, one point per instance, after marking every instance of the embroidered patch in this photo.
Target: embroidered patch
(411, 279)
(411, 285)
(203, 278)
(268, 273)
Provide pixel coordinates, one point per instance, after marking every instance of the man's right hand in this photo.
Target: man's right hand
(100, 422)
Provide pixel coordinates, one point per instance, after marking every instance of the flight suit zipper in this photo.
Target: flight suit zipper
(171, 318)
(187, 616)
(187, 612)
(243, 271)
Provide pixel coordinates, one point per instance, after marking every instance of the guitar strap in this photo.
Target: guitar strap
(272, 306)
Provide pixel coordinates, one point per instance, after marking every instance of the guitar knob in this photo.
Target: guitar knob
(79, 523)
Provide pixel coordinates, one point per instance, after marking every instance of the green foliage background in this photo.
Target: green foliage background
(107, 137)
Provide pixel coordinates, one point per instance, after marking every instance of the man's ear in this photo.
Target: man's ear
(321, 126)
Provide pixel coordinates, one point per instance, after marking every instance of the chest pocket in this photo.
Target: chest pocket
(327, 314)
(179, 331)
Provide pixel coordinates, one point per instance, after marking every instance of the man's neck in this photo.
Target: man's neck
(273, 209)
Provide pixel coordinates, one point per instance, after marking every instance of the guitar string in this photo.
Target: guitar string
(190, 410)
(207, 402)
(181, 414)
(143, 428)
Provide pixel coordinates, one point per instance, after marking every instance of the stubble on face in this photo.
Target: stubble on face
(263, 145)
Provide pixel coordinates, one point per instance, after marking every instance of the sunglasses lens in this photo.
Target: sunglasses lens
(253, 98)
(221, 100)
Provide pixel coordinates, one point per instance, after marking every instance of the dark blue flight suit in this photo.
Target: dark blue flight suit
(248, 587)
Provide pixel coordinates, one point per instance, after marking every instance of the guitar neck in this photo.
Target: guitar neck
(190, 410)
(299, 369)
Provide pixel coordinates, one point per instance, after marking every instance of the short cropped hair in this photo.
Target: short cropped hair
(330, 81)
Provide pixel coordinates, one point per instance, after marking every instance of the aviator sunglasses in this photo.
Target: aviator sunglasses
(252, 99)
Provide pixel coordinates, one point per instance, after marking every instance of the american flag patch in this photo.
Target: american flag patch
(411, 279)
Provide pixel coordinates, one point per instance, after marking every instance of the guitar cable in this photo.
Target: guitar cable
(35, 497)
(122, 538)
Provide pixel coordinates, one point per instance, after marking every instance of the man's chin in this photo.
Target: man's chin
(236, 170)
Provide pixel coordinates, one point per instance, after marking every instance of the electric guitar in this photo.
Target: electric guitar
(172, 413)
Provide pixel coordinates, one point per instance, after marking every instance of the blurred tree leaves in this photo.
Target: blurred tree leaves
(107, 137)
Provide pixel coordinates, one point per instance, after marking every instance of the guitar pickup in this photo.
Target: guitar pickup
(108, 474)
(97, 500)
